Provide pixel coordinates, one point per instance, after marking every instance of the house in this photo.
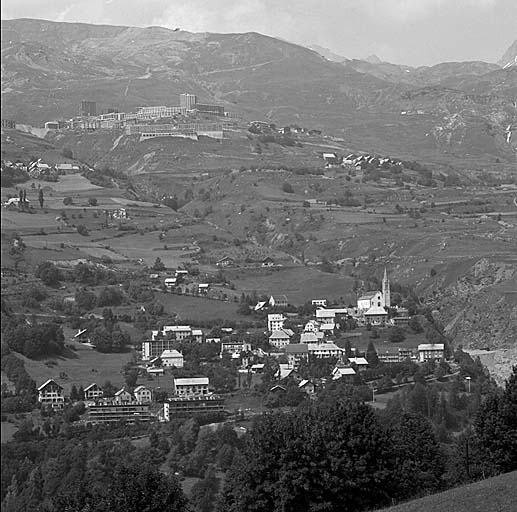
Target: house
(280, 338)
(430, 352)
(80, 334)
(341, 370)
(307, 387)
(296, 352)
(197, 335)
(325, 316)
(331, 159)
(93, 392)
(177, 332)
(196, 386)
(360, 362)
(370, 299)
(181, 273)
(277, 388)
(311, 326)
(395, 355)
(257, 368)
(259, 305)
(376, 315)
(212, 340)
(203, 288)
(172, 358)
(170, 282)
(50, 393)
(268, 262)
(278, 301)
(142, 395)
(122, 397)
(324, 350)
(319, 302)
(312, 337)
(285, 371)
(235, 347)
(275, 322)
(227, 261)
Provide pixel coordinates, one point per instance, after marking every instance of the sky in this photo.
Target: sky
(412, 32)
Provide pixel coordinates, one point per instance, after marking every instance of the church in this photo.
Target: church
(373, 304)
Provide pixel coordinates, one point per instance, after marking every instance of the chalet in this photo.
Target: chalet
(50, 393)
(268, 262)
(227, 261)
(331, 159)
(142, 395)
(172, 358)
(181, 273)
(319, 302)
(170, 282)
(280, 338)
(376, 315)
(286, 372)
(197, 335)
(325, 316)
(360, 362)
(235, 347)
(311, 337)
(196, 386)
(93, 392)
(430, 352)
(122, 397)
(296, 352)
(324, 350)
(203, 288)
(275, 322)
(257, 368)
(278, 301)
(340, 371)
(311, 326)
(307, 387)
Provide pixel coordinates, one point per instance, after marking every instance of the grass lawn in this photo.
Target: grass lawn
(82, 367)
(498, 493)
(199, 308)
(300, 284)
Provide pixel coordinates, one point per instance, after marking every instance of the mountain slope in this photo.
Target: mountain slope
(461, 109)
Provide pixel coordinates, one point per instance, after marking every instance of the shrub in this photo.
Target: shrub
(287, 187)
(92, 201)
(67, 201)
(82, 230)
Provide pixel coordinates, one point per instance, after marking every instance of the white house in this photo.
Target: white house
(197, 335)
(342, 371)
(319, 302)
(376, 315)
(123, 397)
(51, 393)
(170, 282)
(325, 316)
(430, 352)
(311, 337)
(280, 338)
(93, 392)
(142, 394)
(172, 358)
(279, 301)
(324, 350)
(275, 322)
(197, 386)
(360, 362)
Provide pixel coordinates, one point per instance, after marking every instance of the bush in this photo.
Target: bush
(67, 201)
(92, 201)
(82, 230)
(287, 187)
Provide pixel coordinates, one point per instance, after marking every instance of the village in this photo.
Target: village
(292, 353)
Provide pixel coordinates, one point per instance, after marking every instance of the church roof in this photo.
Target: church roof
(369, 295)
(375, 310)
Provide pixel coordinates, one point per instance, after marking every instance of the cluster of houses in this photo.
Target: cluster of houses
(360, 162)
(228, 261)
(189, 396)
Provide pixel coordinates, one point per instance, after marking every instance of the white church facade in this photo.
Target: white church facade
(373, 305)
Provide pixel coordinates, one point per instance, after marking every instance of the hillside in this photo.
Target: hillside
(494, 494)
(453, 111)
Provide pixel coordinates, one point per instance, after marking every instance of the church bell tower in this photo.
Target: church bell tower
(386, 290)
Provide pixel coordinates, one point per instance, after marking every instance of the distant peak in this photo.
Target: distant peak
(373, 59)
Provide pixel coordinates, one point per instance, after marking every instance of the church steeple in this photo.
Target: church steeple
(386, 299)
